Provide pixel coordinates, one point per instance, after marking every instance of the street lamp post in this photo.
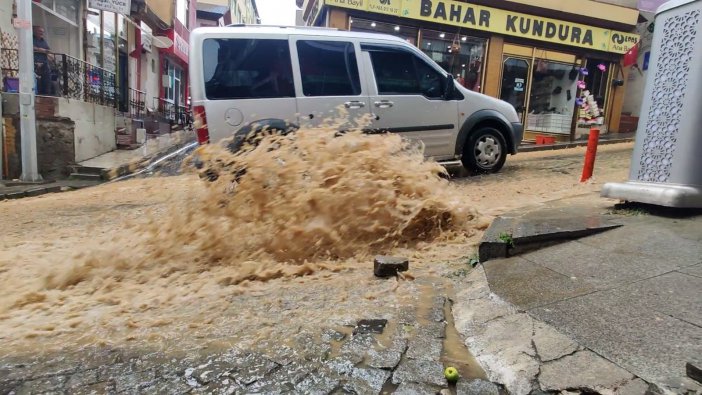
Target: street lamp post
(28, 121)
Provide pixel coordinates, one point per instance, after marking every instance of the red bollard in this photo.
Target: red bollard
(590, 154)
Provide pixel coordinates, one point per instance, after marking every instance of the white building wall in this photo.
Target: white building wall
(150, 76)
(94, 132)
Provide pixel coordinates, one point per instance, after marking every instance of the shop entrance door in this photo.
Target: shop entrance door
(515, 77)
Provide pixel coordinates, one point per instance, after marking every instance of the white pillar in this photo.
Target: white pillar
(26, 74)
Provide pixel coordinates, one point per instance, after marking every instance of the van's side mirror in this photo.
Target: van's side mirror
(450, 87)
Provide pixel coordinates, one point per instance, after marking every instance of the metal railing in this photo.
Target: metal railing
(137, 103)
(83, 81)
(175, 114)
(66, 76)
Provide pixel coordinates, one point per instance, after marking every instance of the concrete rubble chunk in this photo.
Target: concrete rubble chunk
(388, 266)
(476, 387)
(584, 370)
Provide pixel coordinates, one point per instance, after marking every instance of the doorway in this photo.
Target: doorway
(542, 87)
(515, 78)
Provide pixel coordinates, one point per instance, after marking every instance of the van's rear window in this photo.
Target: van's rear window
(247, 69)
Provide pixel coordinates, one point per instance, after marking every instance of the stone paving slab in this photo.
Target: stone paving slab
(652, 345)
(694, 270)
(669, 243)
(599, 268)
(513, 279)
(674, 294)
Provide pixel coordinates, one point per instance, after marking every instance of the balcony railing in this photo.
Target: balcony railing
(66, 76)
(83, 81)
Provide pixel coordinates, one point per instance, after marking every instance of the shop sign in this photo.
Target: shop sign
(180, 47)
(391, 7)
(117, 6)
(146, 37)
(450, 12)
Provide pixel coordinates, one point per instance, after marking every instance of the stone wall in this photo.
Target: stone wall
(55, 138)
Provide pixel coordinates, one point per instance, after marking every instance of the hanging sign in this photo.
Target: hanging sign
(146, 37)
(117, 6)
(455, 13)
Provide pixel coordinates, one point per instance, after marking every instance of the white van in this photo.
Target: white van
(247, 78)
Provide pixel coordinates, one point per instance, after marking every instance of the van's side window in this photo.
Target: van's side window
(402, 73)
(328, 68)
(247, 69)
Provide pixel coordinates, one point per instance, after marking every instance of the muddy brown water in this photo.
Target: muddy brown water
(176, 266)
(236, 257)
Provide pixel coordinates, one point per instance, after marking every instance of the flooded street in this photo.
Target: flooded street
(269, 272)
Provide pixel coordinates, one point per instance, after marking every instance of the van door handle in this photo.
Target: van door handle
(354, 104)
(383, 104)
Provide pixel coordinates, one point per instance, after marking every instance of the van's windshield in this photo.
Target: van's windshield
(247, 69)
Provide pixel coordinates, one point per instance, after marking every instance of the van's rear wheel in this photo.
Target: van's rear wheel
(485, 151)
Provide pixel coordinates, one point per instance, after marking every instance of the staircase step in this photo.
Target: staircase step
(85, 169)
(85, 176)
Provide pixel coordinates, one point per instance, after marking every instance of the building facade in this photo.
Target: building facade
(557, 64)
(110, 73)
(241, 12)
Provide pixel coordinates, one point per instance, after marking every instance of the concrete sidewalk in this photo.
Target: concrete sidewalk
(621, 307)
(102, 168)
(122, 162)
(15, 190)
(605, 139)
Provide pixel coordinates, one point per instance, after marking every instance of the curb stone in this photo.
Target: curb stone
(559, 146)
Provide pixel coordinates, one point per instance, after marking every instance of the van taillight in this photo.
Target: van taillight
(200, 125)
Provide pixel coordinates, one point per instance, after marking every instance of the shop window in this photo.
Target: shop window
(597, 79)
(68, 10)
(553, 97)
(406, 33)
(402, 73)
(328, 68)
(247, 69)
(458, 54)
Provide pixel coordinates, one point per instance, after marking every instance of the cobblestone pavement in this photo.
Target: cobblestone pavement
(405, 355)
